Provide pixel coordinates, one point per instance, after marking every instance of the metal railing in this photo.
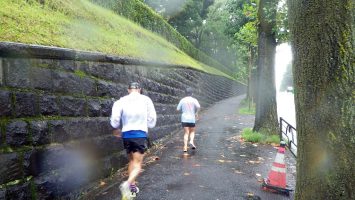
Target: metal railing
(289, 135)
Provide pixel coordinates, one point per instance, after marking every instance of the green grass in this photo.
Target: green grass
(83, 25)
(244, 108)
(256, 137)
(273, 139)
(247, 111)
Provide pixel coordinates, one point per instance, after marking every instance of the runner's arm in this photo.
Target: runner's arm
(152, 115)
(117, 132)
(115, 119)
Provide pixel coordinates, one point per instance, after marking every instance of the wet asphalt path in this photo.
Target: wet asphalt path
(221, 168)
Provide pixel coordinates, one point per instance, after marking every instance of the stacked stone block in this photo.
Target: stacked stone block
(55, 136)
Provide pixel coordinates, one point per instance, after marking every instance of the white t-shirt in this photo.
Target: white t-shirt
(189, 106)
(136, 111)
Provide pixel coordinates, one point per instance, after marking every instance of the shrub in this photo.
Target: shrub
(275, 139)
(250, 136)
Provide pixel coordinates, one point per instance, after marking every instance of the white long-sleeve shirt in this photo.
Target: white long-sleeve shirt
(135, 111)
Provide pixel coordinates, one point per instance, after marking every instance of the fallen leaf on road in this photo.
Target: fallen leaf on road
(223, 161)
(254, 162)
(102, 183)
(250, 194)
(233, 138)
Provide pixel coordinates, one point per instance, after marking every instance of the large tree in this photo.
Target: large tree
(266, 112)
(242, 27)
(189, 21)
(166, 8)
(247, 37)
(323, 47)
(215, 42)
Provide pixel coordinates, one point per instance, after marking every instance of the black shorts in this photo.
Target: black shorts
(183, 124)
(135, 145)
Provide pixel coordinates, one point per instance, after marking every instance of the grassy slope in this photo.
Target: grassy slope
(82, 25)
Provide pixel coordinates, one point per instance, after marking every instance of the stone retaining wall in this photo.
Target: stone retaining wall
(55, 136)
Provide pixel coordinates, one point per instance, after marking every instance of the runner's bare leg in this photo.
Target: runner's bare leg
(135, 166)
(192, 136)
(186, 137)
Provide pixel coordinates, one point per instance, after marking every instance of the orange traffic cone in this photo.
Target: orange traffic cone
(276, 181)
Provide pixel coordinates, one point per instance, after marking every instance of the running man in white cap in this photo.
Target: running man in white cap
(135, 113)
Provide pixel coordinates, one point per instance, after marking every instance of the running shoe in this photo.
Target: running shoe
(126, 191)
(134, 190)
(192, 146)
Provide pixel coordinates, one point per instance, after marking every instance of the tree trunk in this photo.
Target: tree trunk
(250, 96)
(323, 65)
(266, 112)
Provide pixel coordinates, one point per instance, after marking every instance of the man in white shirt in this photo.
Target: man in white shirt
(189, 107)
(135, 113)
